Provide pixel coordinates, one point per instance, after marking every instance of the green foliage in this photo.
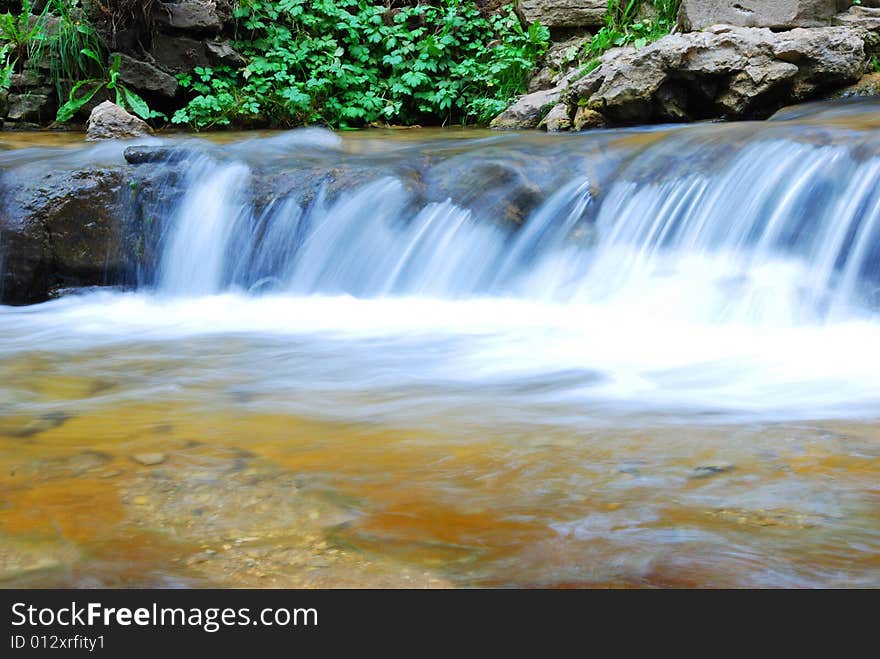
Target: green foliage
(85, 90)
(19, 37)
(348, 63)
(625, 25)
(73, 48)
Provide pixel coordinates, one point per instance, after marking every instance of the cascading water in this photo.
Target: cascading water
(634, 357)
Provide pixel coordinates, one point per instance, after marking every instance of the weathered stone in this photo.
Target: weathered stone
(143, 76)
(58, 228)
(585, 118)
(108, 121)
(193, 15)
(778, 15)
(559, 59)
(867, 20)
(564, 13)
(726, 72)
(30, 106)
(557, 120)
(528, 110)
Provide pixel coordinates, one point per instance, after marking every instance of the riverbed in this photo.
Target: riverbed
(665, 377)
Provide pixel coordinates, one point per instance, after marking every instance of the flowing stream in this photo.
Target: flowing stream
(645, 357)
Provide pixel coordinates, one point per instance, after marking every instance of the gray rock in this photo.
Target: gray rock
(865, 19)
(30, 107)
(564, 13)
(560, 58)
(221, 52)
(142, 76)
(108, 121)
(179, 54)
(192, 15)
(778, 14)
(585, 118)
(528, 110)
(728, 72)
(557, 120)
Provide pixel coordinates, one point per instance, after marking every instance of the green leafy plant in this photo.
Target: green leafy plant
(125, 97)
(20, 35)
(626, 23)
(348, 63)
(73, 48)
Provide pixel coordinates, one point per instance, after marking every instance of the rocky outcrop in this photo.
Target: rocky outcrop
(726, 72)
(778, 15)
(57, 228)
(563, 13)
(108, 121)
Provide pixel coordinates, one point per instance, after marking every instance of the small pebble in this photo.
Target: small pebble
(149, 459)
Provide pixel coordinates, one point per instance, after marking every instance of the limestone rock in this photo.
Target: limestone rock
(778, 15)
(586, 118)
(557, 120)
(528, 110)
(866, 19)
(30, 106)
(564, 13)
(108, 121)
(143, 76)
(728, 72)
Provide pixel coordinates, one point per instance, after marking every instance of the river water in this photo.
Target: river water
(661, 369)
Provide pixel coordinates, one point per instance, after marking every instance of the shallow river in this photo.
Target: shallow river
(688, 398)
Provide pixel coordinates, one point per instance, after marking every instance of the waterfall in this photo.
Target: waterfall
(772, 230)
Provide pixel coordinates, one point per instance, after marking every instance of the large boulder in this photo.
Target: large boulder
(727, 72)
(778, 15)
(108, 121)
(563, 13)
(57, 228)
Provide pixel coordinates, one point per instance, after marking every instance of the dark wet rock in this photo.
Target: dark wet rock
(190, 15)
(58, 228)
(505, 194)
(140, 154)
(108, 121)
(144, 77)
(179, 54)
(709, 470)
